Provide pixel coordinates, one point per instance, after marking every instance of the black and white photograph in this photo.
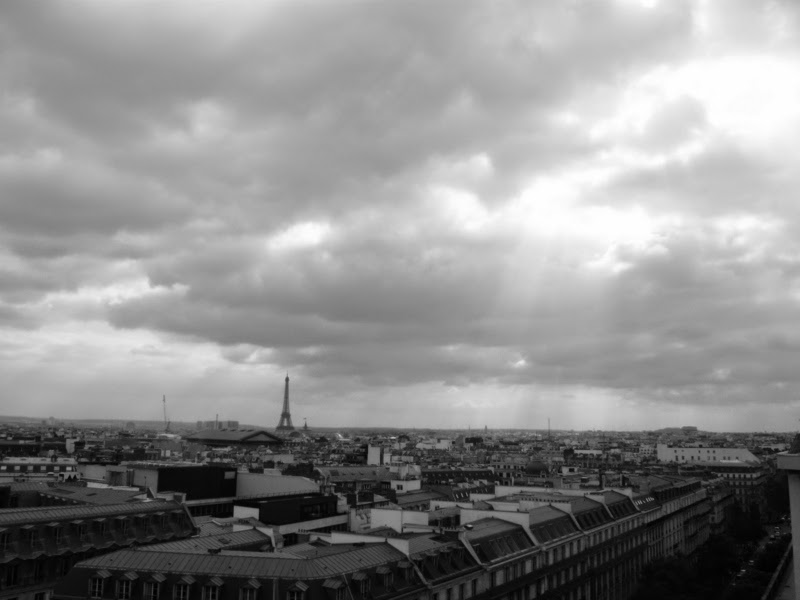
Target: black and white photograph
(399, 299)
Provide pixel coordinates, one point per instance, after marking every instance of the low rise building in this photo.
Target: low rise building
(699, 454)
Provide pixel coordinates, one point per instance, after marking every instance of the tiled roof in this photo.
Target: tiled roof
(24, 516)
(248, 564)
(543, 514)
(425, 543)
(233, 436)
(29, 486)
(548, 524)
(339, 473)
(488, 528)
(202, 544)
(415, 497)
(94, 495)
(494, 539)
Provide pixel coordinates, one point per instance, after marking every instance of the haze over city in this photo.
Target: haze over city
(431, 214)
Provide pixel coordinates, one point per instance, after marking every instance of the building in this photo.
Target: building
(38, 546)
(790, 463)
(246, 438)
(341, 572)
(33, 468)
(747, 480)
(289, 517)
(524, 543)
(193, 481)
(692, 454)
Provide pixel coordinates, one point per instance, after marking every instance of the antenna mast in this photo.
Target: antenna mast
(166, 423)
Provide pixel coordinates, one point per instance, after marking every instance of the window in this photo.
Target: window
(293, 595)
(363, 587)
(58, 535)
(210, 592)
(4, 539)
(123, 526)
(151, 590)
(40, 596)
(248, 594)
(124, 589)
(95, 587)
(12, 575)
(38, 570)
(181, 591)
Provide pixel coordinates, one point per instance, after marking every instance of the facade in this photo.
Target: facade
(247, 438)
(195, 481)
(722, 500)
(789, 462)
(38, 546)
(747, 480)
(692, 454)
(35, 468)
(524, 543)
(454, 475)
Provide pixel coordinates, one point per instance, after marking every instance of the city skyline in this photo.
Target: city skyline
(429, 214)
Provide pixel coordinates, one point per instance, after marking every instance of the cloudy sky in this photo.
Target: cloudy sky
(441, 214)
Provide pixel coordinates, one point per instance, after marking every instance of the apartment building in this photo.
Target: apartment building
(521, 544)
(38, 546)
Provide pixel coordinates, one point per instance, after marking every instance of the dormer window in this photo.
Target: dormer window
(97, 583)
(386, 575)
(362, 580)
(405, 569)
(297, 591)
(123, 525)
(81, 530)
(124, 589)
(336, 587)
(211, 589)
(151, 590)
(33, 537)
(250, 590)
(58, 533)
(125, 585)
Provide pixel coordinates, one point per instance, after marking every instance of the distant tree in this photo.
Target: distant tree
(718, 558)
(776, 493)
(568, 454)
(745, 590)
(745, 526)
(668, 579)
(769, 558)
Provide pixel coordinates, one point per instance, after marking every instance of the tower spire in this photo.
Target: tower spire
(285, 424)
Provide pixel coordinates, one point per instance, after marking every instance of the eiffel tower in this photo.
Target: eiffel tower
(285, 423)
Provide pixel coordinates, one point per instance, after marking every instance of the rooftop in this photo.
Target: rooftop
(249, 564)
